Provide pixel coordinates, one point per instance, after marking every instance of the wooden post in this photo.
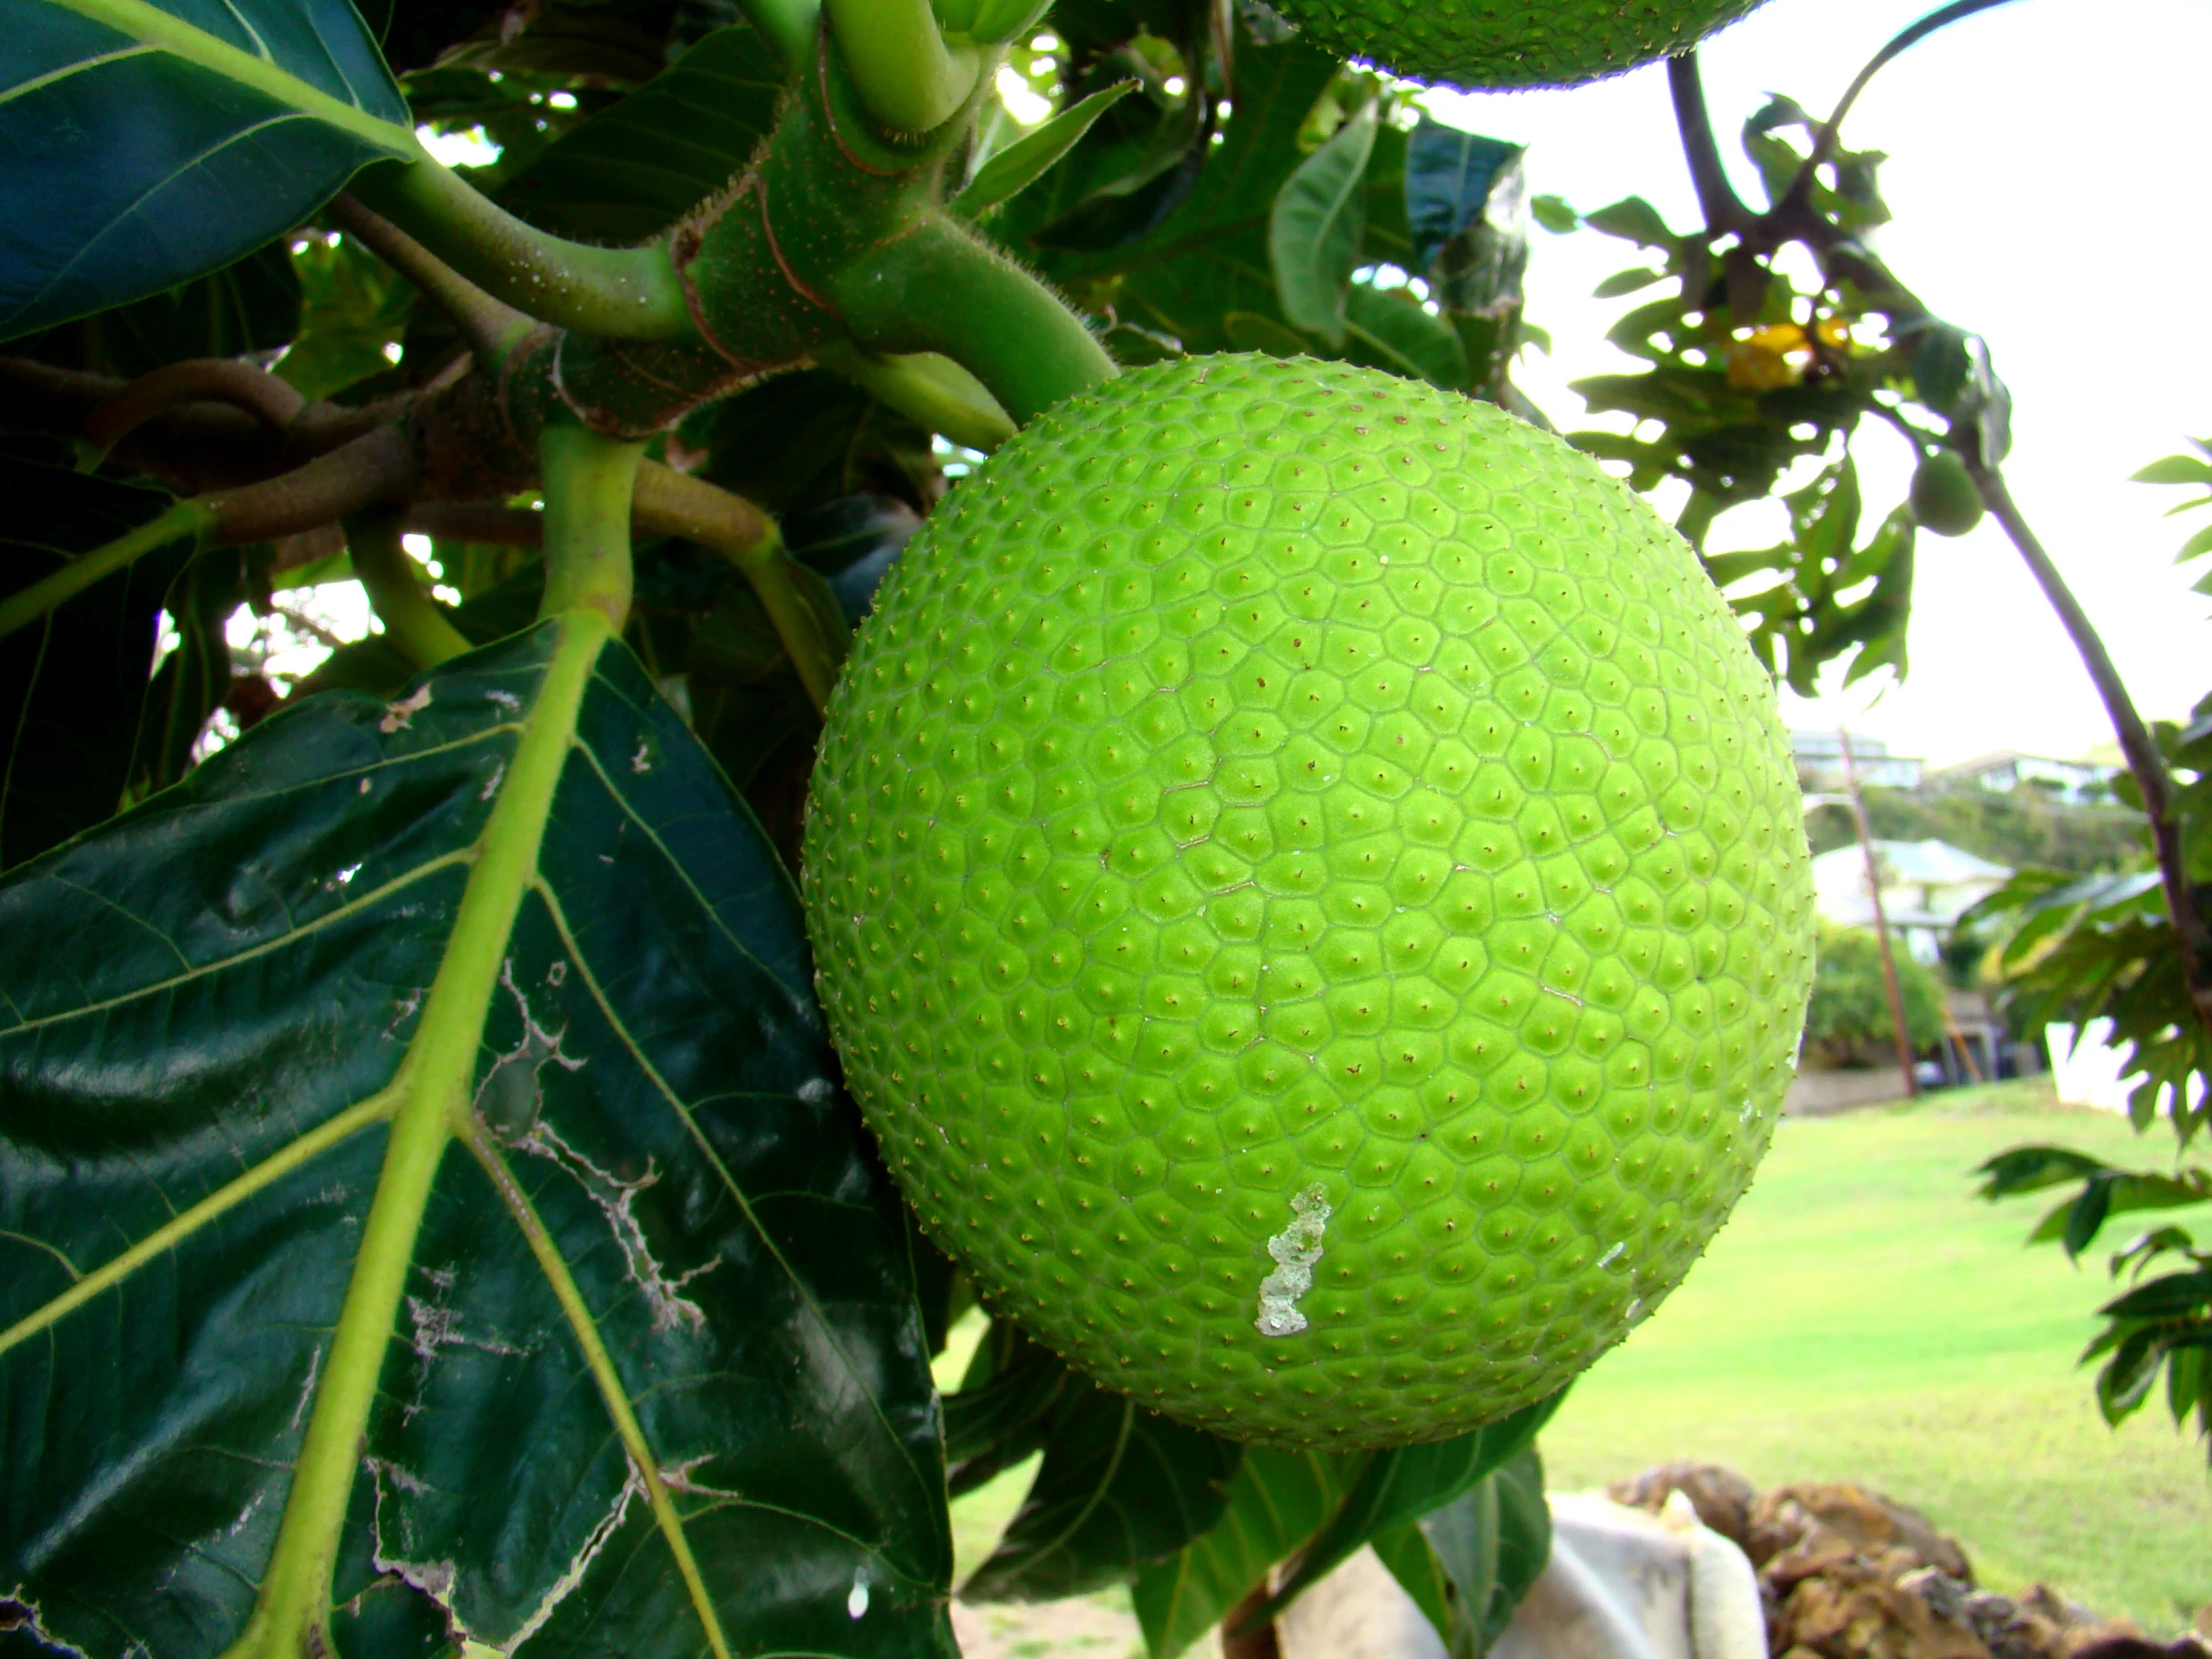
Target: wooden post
(1880, 921)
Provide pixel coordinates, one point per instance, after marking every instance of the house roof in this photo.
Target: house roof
(1929, 863)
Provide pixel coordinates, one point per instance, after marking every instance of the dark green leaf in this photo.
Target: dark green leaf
(2176, 1294)
(252, 305)
(634, 170)
(1404, 1550)
(133, 168)
(1316, 228)
(72, 684)
(1405, 1484)
(852, 542)
(424, 1106)
(1018, 166)
(1120, 1489)
(1450, 179)
(1276, 1503)
(2028, 1168)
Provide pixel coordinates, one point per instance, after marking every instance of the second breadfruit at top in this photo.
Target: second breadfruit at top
(1510, 43)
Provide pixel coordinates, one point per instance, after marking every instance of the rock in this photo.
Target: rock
(1822, 1521)
(1945, 1595)
(1721, 1497)
(1852, 1610)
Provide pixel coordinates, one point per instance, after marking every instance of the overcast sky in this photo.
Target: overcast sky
(2047, 166)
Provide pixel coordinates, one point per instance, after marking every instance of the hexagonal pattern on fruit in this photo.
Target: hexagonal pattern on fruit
(1310, 890)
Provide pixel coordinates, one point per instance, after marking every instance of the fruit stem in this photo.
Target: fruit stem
(940, 288)
(2136, 743)
(788, 26)
(589, 478)
(933, 389)
(416, 622)
(672, 503)
(618, 293)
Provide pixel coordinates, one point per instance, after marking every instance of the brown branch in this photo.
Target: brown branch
(1717, 200)
(2136, 743)
(200, 380)
(487, 324)
(378, 466)
(1260, 1641)
(1794, 199)
(200, 446)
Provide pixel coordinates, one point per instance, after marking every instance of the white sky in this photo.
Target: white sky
(2047, 177)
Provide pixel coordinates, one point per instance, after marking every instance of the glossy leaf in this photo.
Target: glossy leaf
(217, 127)
(1316, 225)
(634, 170)
(1121, 1489)
(422, 1192)
(1022, 163)
(251, 305)
(1449, 175)
(1492, 1544)
(73, 682)
(1276, 1503)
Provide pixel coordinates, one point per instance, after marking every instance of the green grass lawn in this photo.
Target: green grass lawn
(1863, 1316)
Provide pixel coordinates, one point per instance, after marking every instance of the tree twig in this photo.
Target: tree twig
(378, 466)
(1799, 192)
(1259, 1642)
(487, 324)
(1717, 200)
(198, 380)
(2136, 743)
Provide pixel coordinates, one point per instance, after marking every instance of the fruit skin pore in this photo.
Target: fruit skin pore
(1310, 890)
(1511, 43)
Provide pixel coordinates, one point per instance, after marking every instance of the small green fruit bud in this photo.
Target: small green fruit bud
(1943, 496)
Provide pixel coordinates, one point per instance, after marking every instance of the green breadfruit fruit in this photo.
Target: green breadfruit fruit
(1510, 43)
(1943, 497)
(1312, 895)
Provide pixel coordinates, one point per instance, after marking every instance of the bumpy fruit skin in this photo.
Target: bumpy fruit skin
(1312, 895)
(1510, 43)
(1944, 498)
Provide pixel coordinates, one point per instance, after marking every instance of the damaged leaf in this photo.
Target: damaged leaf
(427, 1213)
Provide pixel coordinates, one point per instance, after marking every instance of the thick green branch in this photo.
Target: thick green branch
(610, 292)
(588, 483)
(414, 620)
(938, 289)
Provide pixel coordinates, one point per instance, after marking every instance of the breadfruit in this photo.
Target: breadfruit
(1312, 895)
(1943, 496)
(1510, 43)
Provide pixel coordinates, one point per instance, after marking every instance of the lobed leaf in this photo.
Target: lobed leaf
(427, 1214)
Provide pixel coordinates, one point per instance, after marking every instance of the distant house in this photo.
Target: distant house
(2005, 771)
(1820, 761)
(1926, 886)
